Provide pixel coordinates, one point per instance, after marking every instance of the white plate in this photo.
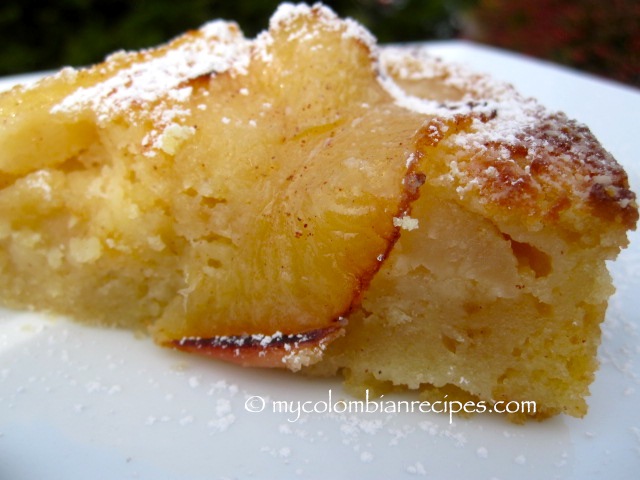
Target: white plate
(77, 402)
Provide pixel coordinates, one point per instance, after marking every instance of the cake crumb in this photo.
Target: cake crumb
(520, 459)
(366, 457)
(417, 469)
(482, 452)
(174, 136)
(406, 222)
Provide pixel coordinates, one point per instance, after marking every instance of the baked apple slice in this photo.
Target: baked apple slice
(299, 175)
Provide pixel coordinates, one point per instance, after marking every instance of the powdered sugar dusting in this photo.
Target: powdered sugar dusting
(288, 13)
(325, 19)
(449, 90)
(509, 148)
(217, 47)
(496, 113)
(151, 83)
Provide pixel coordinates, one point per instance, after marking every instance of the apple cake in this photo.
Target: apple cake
(499, 292)
(308, 199)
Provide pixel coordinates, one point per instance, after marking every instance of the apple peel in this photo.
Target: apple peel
(292, 351)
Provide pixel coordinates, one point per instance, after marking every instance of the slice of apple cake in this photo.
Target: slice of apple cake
(212, 188)
(499, 293)
(308, 199)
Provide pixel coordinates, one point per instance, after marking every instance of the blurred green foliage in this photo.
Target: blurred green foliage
(38, 35)
(592, 35)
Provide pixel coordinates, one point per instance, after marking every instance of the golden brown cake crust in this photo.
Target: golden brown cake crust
(550, 169)
(508, 153)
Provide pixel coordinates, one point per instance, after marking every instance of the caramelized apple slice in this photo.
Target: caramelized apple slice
(267, 351)
(289, 185)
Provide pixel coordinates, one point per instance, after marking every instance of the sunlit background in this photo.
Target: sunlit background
(600, 37)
